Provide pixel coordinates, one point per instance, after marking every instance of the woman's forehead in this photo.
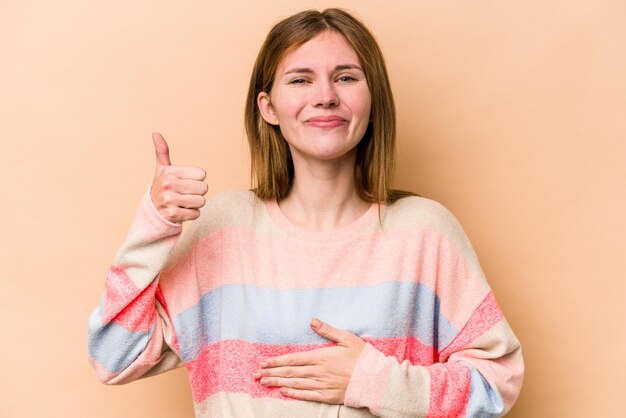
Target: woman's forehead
(327, 50)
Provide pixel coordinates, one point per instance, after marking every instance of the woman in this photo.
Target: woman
(323, 292)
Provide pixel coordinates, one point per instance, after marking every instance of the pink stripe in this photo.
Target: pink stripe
(484, 317)
(405, 348)
(432, 260)
(228, 365)
(449, 389)
(127, 305)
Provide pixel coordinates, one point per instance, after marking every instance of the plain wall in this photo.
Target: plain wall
(512, 114)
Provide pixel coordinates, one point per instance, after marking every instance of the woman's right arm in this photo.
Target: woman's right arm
(130, 333)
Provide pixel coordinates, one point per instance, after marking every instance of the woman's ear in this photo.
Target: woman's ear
(266, 108)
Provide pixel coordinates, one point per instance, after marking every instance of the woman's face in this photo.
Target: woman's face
(320, 99)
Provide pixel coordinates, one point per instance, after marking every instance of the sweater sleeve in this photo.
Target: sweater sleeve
(477, 372)
(481, 379)
(130, 332)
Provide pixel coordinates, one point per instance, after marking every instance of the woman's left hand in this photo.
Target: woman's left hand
(320, 375)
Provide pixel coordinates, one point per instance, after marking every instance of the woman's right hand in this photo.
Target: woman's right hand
(177, 192)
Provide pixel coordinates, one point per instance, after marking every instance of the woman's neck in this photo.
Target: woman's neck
(323, 197)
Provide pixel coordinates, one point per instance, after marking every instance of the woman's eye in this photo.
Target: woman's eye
(346, 79)
(298, 81)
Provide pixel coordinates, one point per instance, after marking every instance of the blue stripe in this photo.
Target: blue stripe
(271, 316)
(484, 401)
(112, 345)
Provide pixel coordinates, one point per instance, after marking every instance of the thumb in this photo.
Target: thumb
(161, 149)
(330, 333)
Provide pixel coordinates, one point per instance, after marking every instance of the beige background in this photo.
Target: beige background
(511, 113)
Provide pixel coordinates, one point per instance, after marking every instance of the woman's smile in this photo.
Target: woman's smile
(326, 122)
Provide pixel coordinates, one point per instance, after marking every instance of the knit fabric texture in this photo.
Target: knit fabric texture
(242, 282)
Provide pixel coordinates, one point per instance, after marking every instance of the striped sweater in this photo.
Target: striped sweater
(242, 282)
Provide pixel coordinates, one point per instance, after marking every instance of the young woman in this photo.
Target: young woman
(321, 292)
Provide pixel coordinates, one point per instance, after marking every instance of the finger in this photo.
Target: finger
(176, 200)
(189, 173)
(302, 358)
(294, 383)
(329, 332)
(184, 186)
(190, 201)
(161, 149)
(192, 187)
(289, 372)
(304, 395)
(180, 215)
(188, 214)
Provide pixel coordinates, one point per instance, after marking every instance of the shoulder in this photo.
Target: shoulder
(429, 218)
(225, 202)
(239, 209)
(222, 210)
(420, 211)
(224, 207)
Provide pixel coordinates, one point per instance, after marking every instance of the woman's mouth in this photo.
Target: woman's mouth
(325, 122)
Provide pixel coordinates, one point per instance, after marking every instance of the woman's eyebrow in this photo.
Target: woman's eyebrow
(306, 70)
(299, 70)
(348, 67)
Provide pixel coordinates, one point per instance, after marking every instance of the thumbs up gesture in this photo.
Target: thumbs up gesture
(177, 192)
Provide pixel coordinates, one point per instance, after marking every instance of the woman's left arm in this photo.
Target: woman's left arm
(479, 374)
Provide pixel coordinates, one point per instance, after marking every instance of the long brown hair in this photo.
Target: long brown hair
(272, 165)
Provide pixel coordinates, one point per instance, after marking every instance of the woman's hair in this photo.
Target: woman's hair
(272, 165)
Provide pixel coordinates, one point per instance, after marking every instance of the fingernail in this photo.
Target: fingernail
(256, 375)
(315, 323)
(264, 381)
(264, 364)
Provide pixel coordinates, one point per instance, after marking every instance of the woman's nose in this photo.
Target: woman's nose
(325, 95)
